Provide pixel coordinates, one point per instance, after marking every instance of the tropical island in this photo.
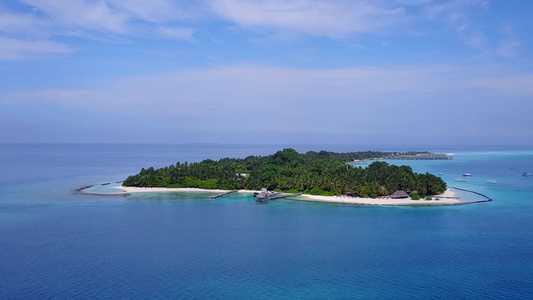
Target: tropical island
(323, 176)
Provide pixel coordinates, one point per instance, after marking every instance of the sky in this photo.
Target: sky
(267, 71)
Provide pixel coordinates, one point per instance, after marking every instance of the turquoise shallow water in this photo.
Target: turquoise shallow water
(56, 244)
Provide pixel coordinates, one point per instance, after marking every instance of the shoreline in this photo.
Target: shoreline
(133, 189)
(449, 197)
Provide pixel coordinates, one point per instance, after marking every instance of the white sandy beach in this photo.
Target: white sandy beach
(131, 189)
(446, 198)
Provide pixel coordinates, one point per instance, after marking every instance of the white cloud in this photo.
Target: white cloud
(176, 32)
(103, 20)
(113, 16)
(456, 14)
(13, 49)
(13, 24)
(112, 20)
(510, 85)
(59, 96)
(225, 88)
(475, 40)
(510, 45)
(28, 34)
(318, 18)
(92, 15)
(508, 48)
(344, 101)
(436, 9)
(156, 11)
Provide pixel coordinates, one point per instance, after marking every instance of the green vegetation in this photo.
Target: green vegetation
(415, 153)
(428, 198)
(414, 196)
(291, 191)
(316, 173)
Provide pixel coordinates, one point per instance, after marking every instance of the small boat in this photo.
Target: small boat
(467, 174)
(441, 174)
(460, 179)
(526, 174)
(492, 181)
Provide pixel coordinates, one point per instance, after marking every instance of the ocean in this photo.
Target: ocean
(57, 244)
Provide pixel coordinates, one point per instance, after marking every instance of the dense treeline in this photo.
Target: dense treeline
(318, 173)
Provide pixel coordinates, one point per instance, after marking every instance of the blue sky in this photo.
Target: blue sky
(257, 71)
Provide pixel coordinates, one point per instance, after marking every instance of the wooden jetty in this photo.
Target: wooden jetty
(420, 156)
(285, 196)
(276, 196)
(222, 194)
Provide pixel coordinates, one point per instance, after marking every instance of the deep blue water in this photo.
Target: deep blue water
(56, 244)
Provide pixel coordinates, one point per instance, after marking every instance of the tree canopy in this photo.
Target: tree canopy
(319, 173)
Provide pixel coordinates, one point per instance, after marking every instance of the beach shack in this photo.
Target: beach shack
(399, 195)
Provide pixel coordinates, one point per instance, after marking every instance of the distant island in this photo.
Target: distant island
(313, 173)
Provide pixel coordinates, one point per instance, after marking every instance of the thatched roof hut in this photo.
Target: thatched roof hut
(399, 195)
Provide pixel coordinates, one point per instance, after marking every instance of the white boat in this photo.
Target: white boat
(526, 174)
(467, 174)
(492, 181)
(460, 179)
